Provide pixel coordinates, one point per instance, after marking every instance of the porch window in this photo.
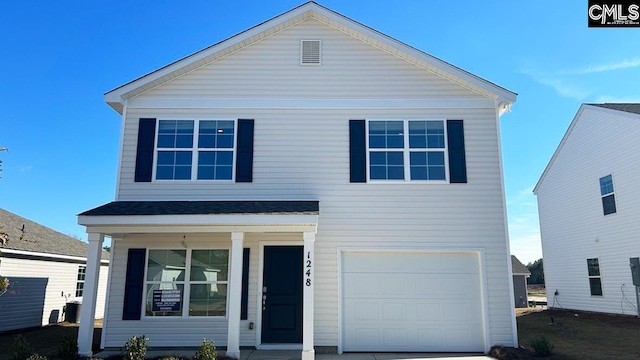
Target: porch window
(190, 282)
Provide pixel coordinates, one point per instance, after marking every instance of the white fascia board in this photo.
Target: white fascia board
(198, 220)
(203, 103)
(116, 95)
(54, 256)
(116, 98)
(502, 94)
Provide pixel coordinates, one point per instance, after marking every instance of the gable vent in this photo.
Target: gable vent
(310, 52)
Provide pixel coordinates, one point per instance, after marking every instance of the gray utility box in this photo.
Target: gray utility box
(72, 312)
(634, 263)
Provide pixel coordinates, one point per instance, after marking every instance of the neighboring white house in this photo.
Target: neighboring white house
(46, 269)
(309, 183)
(589, 206)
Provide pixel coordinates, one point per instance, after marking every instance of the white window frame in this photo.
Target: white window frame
(195, 149)
(599, 276)
(78, 281)
(186, 295)
(406, 150)
(612, 193)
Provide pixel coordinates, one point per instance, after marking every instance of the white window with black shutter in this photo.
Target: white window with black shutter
(407, 150)
(194, 150)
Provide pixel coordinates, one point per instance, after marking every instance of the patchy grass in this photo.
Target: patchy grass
(580, 335)
(536, 290)
(46, 340)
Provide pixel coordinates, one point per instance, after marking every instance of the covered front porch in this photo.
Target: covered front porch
(237, 272)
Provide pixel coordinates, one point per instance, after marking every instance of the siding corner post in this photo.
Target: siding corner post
(308, 352)
(90, 294)
(235, 294)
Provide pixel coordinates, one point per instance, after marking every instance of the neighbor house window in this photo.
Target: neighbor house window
(82, 272)
(187, 282)
(595, 282)
(195, 149)
(406, 150)
(608, 197)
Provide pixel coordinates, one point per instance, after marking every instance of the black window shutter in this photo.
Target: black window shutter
(244, 299)
(144, 152)
(457, 160)
(357, 151)
(244, 156)
(134, 284)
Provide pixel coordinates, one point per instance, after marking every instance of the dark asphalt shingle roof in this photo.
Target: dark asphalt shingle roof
(626, 107)
(39, 238)
(517, 267)
(205, 208)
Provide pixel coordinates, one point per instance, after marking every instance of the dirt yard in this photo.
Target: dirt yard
(582, 335)
(46, 340)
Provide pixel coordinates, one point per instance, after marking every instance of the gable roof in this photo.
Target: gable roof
(27, 235)
(517, 268)
(310, 10)
(129, 208)
(629, 108)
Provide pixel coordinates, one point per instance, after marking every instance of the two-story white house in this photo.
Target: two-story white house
(588, 205)
(311, 184)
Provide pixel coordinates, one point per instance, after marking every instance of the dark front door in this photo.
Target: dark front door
(282, 295)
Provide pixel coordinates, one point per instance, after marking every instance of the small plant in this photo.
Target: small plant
(207, 351)
(136, 348)
(20, 348)
(541, 346)
(37, 357)
(68, 349)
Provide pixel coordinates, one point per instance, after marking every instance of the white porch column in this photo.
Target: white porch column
(89, 294)
(235, 294)
(308, 353)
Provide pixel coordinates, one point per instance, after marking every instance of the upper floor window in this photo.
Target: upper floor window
(595, 281)
(406, 150)
(195, 149)
(608, 197)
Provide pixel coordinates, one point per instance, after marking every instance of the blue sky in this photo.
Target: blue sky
(59, 57)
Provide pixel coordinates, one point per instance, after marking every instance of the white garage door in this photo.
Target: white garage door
(412, 301)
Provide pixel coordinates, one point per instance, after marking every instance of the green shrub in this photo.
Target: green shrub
(207, 351)
(136, 348)
(20, 348)
(68, 349)
(37, 357)
(541, 346)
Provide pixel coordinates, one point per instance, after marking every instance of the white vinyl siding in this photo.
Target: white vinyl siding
(303, 153)
(270, 69)
(41, 285)
(572, 224)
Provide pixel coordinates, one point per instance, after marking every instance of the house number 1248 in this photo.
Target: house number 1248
(308, 270)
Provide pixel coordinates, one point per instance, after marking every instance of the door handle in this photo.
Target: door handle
(264, 298)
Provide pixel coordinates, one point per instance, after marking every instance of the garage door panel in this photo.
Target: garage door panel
(421, 308)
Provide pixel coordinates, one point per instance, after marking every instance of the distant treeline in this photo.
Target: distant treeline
(537, 272)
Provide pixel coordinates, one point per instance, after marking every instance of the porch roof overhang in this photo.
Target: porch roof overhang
(128, 217)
